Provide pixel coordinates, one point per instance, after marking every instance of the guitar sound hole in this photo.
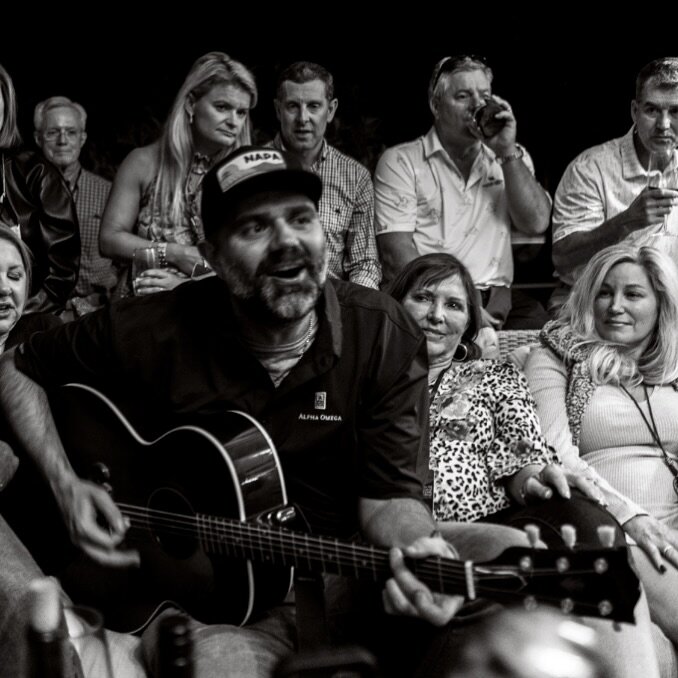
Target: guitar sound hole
(172, 522)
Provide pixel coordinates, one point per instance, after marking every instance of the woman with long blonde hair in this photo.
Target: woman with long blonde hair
(606, 387)
(155, 198)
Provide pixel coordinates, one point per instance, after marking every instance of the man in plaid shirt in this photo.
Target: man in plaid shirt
(60, 133)
(305, 104)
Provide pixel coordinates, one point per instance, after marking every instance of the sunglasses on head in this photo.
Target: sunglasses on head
(452, 63)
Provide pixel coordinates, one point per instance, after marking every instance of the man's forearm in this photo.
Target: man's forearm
(528, 204)
(577, 248)
(395, 522)
(27, 411)
(393, 258)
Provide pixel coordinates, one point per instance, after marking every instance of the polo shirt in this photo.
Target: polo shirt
(597, 185)
(348, 420)
(418, 189)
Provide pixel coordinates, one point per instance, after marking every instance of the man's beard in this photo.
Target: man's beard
(274, 297)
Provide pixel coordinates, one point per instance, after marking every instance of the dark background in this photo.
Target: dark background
(569, 81)
(566, 96)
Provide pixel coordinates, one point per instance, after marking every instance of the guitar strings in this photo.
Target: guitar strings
(345, 557)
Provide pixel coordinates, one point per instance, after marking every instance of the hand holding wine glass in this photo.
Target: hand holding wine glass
(662, 174)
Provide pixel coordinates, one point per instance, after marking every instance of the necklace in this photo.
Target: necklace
(654, 432)
(309, 334)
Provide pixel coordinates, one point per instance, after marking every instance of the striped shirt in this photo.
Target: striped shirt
(346, 212)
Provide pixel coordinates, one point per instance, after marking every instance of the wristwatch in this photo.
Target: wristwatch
(516, 155)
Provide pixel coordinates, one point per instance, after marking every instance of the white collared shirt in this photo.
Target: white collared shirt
(598, 184)
(419, 189)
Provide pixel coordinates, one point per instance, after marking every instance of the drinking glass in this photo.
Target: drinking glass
(663, 173)
(143, 259)
(88, 638)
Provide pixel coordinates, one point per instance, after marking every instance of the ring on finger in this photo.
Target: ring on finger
(666, 549)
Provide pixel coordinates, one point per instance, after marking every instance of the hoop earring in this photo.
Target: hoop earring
(458, 359)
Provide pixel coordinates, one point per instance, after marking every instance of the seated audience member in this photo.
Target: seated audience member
(155, 198)
(60, 133)
(17, 567)
(15, 327)
(606, 194)
(305, 104)
(488, 458)
(605, 386)
(459, 191)
(36, 203)
(272, 336)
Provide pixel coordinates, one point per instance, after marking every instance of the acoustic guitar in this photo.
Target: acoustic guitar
(208, 509)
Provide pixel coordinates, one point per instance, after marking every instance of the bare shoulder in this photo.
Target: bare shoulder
(142, 161)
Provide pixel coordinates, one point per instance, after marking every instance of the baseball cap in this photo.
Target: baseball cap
(249, 170)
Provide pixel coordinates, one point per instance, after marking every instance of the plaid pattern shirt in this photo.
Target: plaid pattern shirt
(97, 274)
(347, 214)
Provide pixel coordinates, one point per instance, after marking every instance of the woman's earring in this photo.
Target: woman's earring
(464, 354)
(190, 117)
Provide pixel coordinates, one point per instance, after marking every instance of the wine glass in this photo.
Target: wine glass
(143, 259)
(663, 173)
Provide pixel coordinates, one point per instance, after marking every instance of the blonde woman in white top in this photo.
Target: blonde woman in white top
(605, 383)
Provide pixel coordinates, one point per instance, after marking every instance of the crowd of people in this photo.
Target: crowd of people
(353, 316)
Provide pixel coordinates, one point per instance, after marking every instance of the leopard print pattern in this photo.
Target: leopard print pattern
(484, 428)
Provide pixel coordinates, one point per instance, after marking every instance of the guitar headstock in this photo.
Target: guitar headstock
(596, 583)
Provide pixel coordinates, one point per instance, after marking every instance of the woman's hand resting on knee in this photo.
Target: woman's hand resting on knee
(538, 482)
(659, 542)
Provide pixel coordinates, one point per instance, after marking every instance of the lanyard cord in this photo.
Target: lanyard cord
(654, 432)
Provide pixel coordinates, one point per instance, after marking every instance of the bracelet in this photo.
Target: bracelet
(516, 155)
(161, 249)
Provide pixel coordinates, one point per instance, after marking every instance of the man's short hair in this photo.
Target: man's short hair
(453, 64)
(57, 102)
(660, 73)
(305, 71)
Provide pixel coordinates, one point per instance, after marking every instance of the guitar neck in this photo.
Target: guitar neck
(286, 548)
(597, 583)
(307, 552)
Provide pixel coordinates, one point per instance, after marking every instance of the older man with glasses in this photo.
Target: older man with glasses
(60, 133)
(461, 187)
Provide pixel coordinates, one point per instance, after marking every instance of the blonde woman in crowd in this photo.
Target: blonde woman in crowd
(155, 199)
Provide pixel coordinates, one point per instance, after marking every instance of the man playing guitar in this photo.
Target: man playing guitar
(336, 373)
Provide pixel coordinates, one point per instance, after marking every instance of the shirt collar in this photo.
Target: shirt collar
(481, 165)
(324, 149)
(631, 166)
(329, 337)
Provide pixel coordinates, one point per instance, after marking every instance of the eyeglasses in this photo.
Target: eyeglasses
(452, 63)
(54, 133)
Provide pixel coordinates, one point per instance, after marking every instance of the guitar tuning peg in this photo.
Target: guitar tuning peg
(567, 605)
(533, 534)
(606, 535)
(569, 535)
(530, 603)
(605, 608)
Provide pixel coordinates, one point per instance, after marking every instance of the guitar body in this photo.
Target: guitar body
(205, 507)
(230, 471)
